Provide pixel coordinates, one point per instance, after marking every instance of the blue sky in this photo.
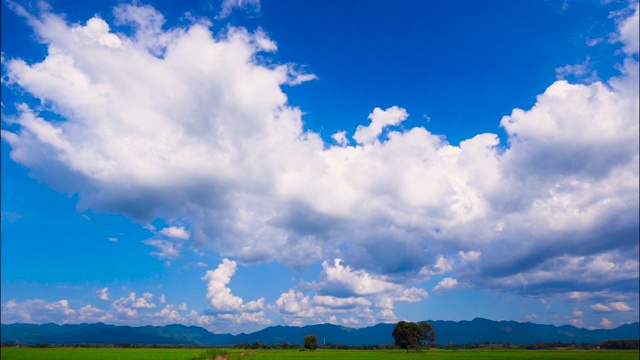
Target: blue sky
(238, 164)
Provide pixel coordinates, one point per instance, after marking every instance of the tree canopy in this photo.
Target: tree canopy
(412, 336)
(311, 342)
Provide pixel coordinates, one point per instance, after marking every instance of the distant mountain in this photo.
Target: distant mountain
(475, 331)
(103, 333)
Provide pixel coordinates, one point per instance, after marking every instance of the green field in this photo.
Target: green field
(190, 354)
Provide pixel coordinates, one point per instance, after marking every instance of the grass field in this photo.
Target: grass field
(190, 354)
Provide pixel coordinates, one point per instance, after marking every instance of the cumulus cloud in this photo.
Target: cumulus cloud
(294, 303)
(38, 311)
(219, 295)
(627, 30)
(131, 310)
(341, 279)
(128, 305)
(181, 123)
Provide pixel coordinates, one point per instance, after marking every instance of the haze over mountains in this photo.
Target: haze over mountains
(477, 330)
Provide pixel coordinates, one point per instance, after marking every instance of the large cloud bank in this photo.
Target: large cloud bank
(195, 129)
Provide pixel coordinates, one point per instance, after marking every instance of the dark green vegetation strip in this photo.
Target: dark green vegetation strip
(190, 354)
(97, 354)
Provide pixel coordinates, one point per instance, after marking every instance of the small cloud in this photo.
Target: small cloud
(162, 299)
(182, 307)
(545, 303)
(298, 77)
(113, 239)
(247, 5)
(103, 294)
(600, 307)
(446, 284)
(175, 232)
(606, 323)
(620, 306)
(166, 249)
(577, 71)
(595, 41)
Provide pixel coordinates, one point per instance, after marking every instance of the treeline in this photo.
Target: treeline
(283, 345)
(621, 344)
(558, 344)
(631, 344)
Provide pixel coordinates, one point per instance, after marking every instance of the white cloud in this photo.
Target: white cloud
(446, 284)
(620, 306)
(113, 239)
(617, 306)
(90, 314)
(339, 303)
(343, 279)
(175, 232)
(219, 295)
(579, 71)
(628, 31)
(128, 304)
(294, 303)
(229, 5)
(412, 295)
(340, 138)
(379, 120)
(298, 77)
(606, 323)
(38, 311)
(103, 294)
(469, 256)
(166, 249)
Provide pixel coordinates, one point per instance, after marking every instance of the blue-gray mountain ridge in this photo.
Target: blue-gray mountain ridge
(448, 332)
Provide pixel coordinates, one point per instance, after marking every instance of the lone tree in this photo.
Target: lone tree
(428, 334)
(311, 342)
(412, 336)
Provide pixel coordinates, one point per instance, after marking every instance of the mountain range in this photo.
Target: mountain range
(477, 330)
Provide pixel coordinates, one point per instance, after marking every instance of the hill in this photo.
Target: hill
(475, 331)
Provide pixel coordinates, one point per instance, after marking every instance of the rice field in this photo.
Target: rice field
(229, 354)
